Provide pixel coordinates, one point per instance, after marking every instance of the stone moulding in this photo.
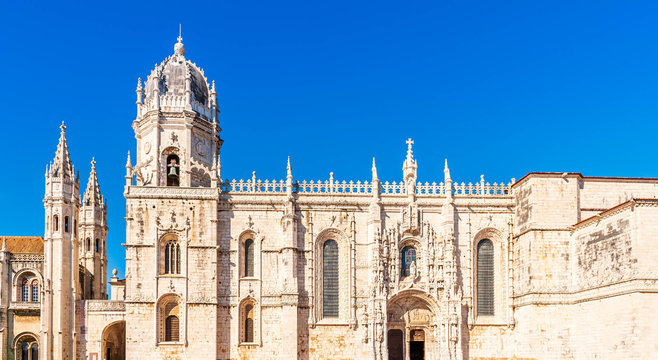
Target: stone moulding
(106, 305)
(601, 292)
(628, 205)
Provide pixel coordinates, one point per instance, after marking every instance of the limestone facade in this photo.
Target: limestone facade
(552, 266)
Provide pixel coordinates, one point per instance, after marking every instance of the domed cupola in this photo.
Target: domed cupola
(178, 82)
(177, 126)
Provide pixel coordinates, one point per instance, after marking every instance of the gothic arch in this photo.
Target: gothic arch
(249, 321)
(170, 253)
(28, 338)
(113, 341)
(412, 312)
(23, 274)
(499, 284)
(166, 152)
(170, 318)
(257, 241)
(343, 271)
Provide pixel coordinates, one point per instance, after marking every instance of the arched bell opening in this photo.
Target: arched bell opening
(411, 327)
(173, 170)
(114, 341)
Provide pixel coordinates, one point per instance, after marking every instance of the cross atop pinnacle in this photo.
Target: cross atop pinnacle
(179, 48)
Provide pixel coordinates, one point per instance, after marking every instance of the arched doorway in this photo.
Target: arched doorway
(26, 347)
(114, 341)
(411, 325)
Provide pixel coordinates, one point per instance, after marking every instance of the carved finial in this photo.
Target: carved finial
(446, 172)
(128, 163)
(63, 128)
(114, 272)
(289, 169)
(179, 48)
(374, 170)
(410, 153)
(213, 86)
(139, 84)
(93, 163)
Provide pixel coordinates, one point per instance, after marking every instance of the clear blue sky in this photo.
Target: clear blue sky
(499, 88)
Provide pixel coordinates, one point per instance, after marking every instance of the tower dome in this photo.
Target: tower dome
(171, 74)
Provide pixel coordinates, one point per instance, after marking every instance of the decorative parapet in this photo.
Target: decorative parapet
(364, 188)
(27, 257)
(25, 305)
(106, 305)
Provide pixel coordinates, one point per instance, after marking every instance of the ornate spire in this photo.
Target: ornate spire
(410, 165)
(374, 170)
(93, 193)
(446, 172)
(289, 180)
(448, 183)
(62, 166)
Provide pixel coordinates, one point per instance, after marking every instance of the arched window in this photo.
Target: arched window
(66, 224)
(171, 328)
(169, 315)
(75, 227)
(173, 170)
(249, 257)
(88, 244)
(172, 257)
(35, 290)
(248, 324)
(27, 348)
(330, 279)
(485, 277)
(96, 245)
(25, 291)
(35, 351)
(56, 223)
(407, 257)
(25, 351)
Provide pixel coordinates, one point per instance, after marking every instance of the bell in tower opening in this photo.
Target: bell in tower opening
(173, 171)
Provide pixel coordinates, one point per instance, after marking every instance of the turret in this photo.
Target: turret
(93, 230)
(62, 205)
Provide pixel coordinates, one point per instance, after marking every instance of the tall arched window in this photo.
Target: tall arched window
(96, 245)
(169, 318)
(171, 328)
(248, 335)
(249, 257)
(25, 290)
(88, 244)
(66, 224)
(56, 223)
(407, 256)
(173, 170)
(172, 257)
(485, 277)
(35, 290)
(330, 279)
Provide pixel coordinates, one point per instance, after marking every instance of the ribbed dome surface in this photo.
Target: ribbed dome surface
(171, 74)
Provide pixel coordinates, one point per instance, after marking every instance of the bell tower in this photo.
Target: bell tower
(61, 204)
(93, 236)
(176, 127)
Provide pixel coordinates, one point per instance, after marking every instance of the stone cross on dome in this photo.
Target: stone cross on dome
(179, 48)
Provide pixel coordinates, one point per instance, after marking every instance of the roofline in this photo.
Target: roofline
(581, 176)
(612, 211)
